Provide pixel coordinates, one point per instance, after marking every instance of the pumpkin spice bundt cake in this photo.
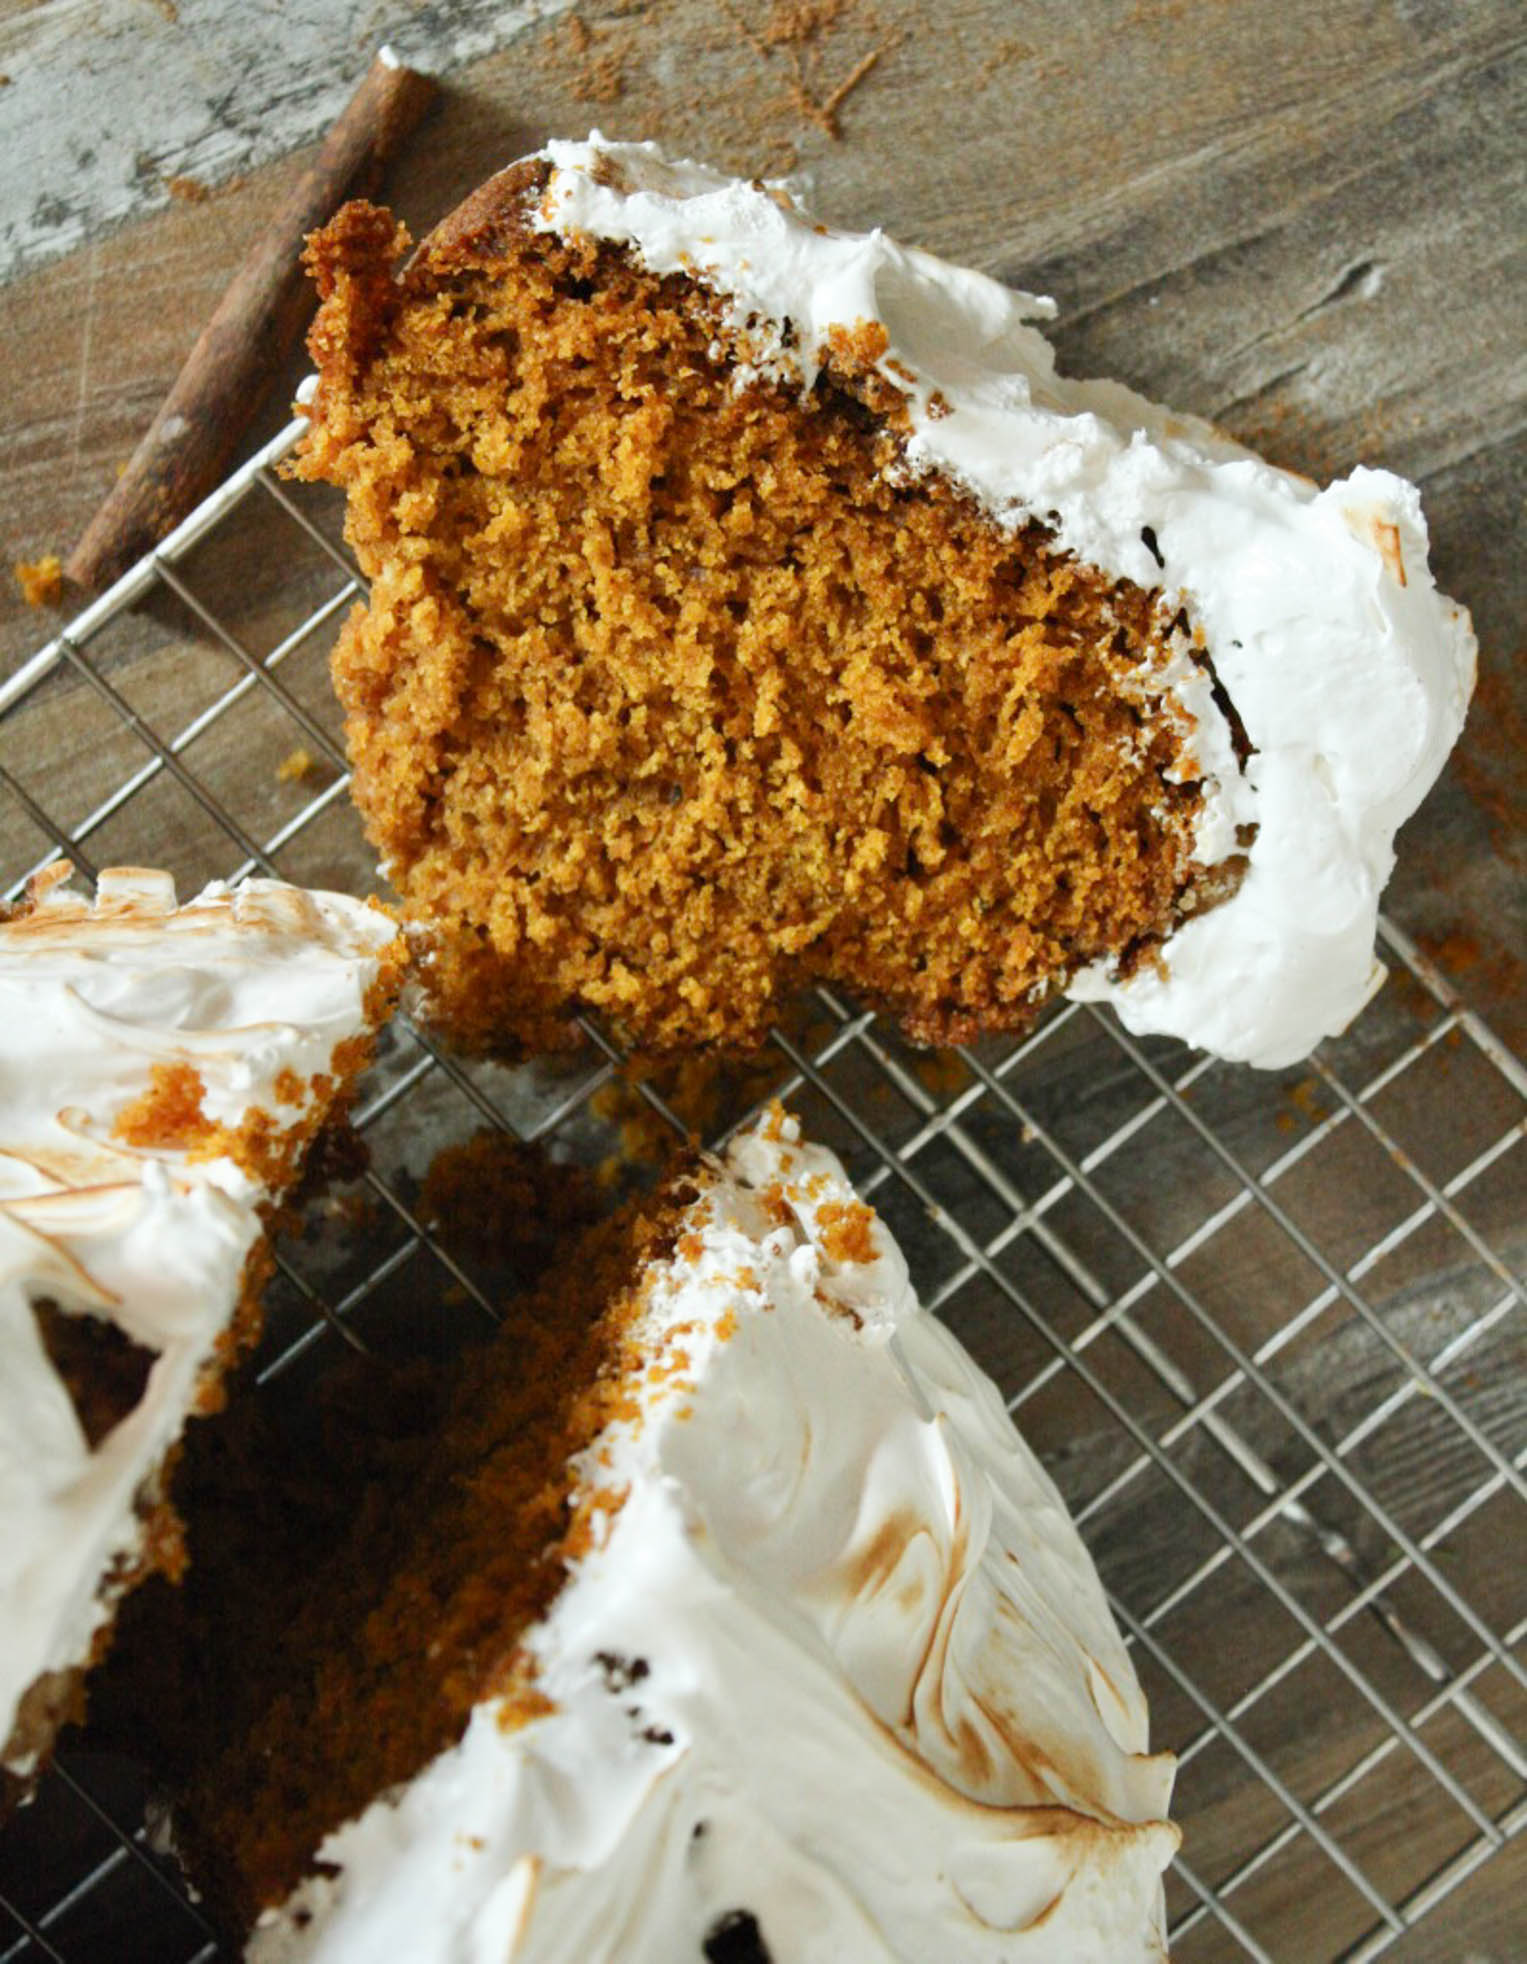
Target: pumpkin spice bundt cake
(717, 1615)
(165, 1070)
(752, 603)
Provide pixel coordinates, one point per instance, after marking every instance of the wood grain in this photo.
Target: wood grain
(198, 92)
(183, 454)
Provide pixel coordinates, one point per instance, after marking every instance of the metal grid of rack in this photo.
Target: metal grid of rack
(1265, 1329)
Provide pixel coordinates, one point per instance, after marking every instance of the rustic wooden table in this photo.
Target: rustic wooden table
(1304, 222)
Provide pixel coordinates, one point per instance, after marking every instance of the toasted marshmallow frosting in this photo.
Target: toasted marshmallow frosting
(1349, 671)
(840, 1681)
(254, 988)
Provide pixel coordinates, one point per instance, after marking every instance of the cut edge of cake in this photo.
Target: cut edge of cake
(821, 1654)
(166, 1069)
(1323, 675)
(1348, 672)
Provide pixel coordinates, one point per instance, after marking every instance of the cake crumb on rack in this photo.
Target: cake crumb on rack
(295, 766)
(41, 580)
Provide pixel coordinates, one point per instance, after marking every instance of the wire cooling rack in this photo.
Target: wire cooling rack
(1260, 1327)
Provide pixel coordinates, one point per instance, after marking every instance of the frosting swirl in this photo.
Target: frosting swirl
(841, 1669)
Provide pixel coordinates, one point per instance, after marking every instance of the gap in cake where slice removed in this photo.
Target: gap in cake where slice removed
(753, 604)
(720, 1614)
(163, 1070)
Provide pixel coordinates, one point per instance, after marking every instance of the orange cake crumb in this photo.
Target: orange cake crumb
(41, 580)
(294, 766)
(846, 1229)
(169, 1113)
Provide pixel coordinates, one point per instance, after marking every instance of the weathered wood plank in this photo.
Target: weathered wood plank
(198, 90)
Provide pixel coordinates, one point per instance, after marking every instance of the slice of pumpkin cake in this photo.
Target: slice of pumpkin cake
(753, 604)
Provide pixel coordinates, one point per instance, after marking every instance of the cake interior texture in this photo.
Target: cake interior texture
(171, 1072)
(714, 1592)
(676, 690)
(370, 1558)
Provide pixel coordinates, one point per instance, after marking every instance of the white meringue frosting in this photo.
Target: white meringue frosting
(249, 986)
(1350, 672)
(840, 1666)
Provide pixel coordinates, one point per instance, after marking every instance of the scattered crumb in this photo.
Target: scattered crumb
(598, 56)
(41, 580)
(602, 80)
(794, 21)
(295, 766)
(1458, 952)
(942, 1072)
(794, 30)
(697, 1090)
(646, 1138)
(168, 9)
(1306, 1099)
(1007, 53)
(189, 190)
(776, 68)
(355, 1212)
(847, 1231)
(1413, 996)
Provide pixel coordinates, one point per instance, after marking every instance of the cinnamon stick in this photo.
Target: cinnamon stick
(189, 444)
